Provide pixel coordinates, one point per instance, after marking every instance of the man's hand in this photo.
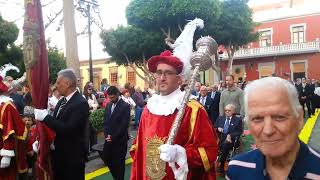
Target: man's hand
(228, 138)
(5, 162)
(40, 114)
(108, 138)
(175, 154)
(220, 129)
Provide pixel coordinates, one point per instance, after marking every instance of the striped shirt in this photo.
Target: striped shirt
(251, 165)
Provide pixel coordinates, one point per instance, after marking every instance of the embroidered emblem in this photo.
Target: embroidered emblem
(155, 167)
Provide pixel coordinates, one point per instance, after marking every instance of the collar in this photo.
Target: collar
(70, 95)
(4, 99)
(165, 105)
(298, 169)
(203, 97)
(114, 104)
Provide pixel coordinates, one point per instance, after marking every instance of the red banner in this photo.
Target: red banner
(36, 62)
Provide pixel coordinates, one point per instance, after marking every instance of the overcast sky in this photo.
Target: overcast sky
(112, 13)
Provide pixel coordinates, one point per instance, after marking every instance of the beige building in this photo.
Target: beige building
(116, 75)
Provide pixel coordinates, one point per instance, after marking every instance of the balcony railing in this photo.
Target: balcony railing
(287, 49)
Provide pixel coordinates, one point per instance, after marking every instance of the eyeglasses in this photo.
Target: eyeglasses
(160, 73)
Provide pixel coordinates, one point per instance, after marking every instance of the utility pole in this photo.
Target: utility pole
(90, 50)
(85, 9)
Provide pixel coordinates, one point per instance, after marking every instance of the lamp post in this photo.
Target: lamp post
(220, 59)
(85, 8)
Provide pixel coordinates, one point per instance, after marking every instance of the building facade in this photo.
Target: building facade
(289, 45)
(116, 75)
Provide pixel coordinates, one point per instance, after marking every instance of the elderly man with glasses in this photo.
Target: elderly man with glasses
(275, 118)
(229, 128)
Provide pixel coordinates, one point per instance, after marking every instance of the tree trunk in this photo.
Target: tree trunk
(71, 38)
(230, 52)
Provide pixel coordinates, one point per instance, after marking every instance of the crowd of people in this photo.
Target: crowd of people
(211, 126)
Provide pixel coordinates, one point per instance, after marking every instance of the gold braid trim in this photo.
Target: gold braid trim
(134, 147)
(25, 133)
(194, 105)
(204, 158)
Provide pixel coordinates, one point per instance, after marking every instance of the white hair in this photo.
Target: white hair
(70, 75)
(231, 106)
(290, 89)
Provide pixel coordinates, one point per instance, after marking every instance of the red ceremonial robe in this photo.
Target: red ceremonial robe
(195, 134)
(13, 133)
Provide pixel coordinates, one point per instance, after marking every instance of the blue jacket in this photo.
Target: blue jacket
(251, 165)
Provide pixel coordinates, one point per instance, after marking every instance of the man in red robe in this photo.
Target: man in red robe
(195, 147)
(13, 134)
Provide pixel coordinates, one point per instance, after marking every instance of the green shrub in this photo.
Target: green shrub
(97, 118)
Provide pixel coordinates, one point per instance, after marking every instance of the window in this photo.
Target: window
(298, 69)
(266, 69)
(298, 33)
(114, 78)
(238, 71)
(265, 38)
(131, 77)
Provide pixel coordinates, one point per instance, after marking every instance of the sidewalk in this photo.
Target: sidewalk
(315, 135)
(95, 162)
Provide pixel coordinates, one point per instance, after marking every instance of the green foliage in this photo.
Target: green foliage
(97, 119)
(13, 55)
(133, 42)
(56, 62)
(150, 14)
(8, 34)
(155, 14)
(236, 25)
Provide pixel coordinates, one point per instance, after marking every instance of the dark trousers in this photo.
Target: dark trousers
(306, 102)
(114, 156)
(66, 169)
(92, 137)
(225, 147)
(137, 116)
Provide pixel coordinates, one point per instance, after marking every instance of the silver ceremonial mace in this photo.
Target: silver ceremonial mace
(200, 61)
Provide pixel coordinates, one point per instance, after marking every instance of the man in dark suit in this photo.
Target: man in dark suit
(229, 128)
(206, 101)
(305, 93)
(69, 122)
(214, 108)
(196, 90)
(116, 119)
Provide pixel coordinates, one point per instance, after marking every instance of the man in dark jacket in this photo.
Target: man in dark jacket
(214, 108)
(69, 122)
(229, 129)
(116, 120)
(305, 93)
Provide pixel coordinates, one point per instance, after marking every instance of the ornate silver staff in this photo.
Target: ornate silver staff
(200, 61)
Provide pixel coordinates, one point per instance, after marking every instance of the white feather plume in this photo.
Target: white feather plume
(183, 46)
(7, 67)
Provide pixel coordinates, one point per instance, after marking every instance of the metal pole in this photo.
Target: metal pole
(90, 52)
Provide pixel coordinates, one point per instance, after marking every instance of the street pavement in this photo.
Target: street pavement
(95, 162)
(315, 136)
